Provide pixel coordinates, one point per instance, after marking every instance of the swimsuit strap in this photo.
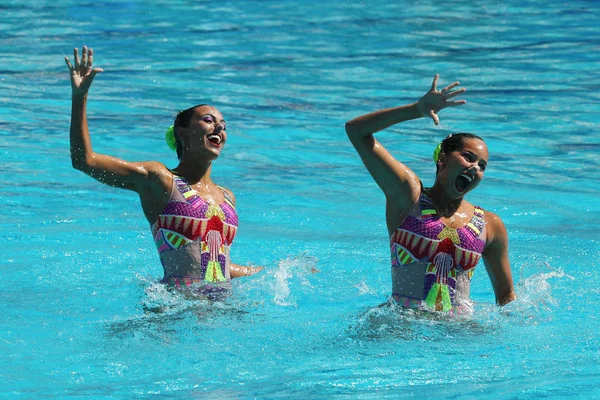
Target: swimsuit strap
(477, 223)
(227, 197)
(183, 186)
(426, 205)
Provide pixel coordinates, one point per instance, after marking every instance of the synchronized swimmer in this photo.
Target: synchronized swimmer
(436, 237)
(193, 220)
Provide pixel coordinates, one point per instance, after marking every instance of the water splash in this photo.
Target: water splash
(534, 304)
(289, 271)
(535, 292)
(390, 321)
(283, 285)
(364, 289)
(162, 308)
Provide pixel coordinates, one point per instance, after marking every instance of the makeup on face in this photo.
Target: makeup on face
(216, 138)
(211, 119)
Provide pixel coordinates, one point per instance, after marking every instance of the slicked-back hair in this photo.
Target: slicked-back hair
(454, 142)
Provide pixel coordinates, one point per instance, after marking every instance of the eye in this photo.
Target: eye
(482, 166)
(468, 156)
(208, 119)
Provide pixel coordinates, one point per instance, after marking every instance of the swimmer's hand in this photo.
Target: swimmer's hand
(436, 100)
(82, 73)
(237, 271)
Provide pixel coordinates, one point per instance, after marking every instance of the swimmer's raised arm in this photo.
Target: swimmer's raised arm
(495, 257)
(397, 181)
(106, 169)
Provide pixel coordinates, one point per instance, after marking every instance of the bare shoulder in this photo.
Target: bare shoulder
(153, 167)
(157, 173)
(496, 231)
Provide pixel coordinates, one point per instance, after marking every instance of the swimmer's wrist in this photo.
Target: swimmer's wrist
(417, 110)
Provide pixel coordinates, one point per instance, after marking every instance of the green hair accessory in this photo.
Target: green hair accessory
(436, 152)
(170, 137)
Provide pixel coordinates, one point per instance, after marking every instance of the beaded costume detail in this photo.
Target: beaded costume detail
(447, 251)
(192, 219)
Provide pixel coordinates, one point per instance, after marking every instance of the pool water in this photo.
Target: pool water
(82, 311)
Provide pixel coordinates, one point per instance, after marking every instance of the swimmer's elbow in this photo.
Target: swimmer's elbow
(83, 163)
(77, 164)
(350, 129)
(354, 130)
(507, 298)
(359, 136)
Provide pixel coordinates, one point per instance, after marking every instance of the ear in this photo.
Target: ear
(442, 159)
(180, 132)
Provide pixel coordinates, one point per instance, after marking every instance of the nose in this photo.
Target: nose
(218, 128)
(477, 168)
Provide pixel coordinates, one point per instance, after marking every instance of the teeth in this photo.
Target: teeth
(214, 138)
(467, 177)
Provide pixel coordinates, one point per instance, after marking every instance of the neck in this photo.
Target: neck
(444, 205)
(196, 171)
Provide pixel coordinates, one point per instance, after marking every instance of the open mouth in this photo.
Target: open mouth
(463, 182)
(215, 139)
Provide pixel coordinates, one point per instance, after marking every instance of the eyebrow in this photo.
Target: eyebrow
(215, 118)
(470, 152)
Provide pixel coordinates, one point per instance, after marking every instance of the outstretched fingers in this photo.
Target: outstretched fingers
(434, 83)
(450, 87)
(90, 58)
(434, 117)
(94, 71)
(455, 103)
(435, 101)
(455, 93)
(82, 72)
(76, 58)
(69, 64)
(84, 57)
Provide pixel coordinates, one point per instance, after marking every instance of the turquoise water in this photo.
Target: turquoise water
(82, 312)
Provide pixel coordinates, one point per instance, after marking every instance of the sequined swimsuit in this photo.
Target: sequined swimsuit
(447, 252)
(193, 238)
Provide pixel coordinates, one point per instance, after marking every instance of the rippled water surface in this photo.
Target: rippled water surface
(82, 312)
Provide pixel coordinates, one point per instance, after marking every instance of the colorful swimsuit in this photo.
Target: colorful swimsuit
(448, 252)
(193, 236)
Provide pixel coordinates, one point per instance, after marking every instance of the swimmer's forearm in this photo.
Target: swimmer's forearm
(368, 124)
(238, 271)
(81, 145)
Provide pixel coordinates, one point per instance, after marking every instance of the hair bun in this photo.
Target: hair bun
(170, 138)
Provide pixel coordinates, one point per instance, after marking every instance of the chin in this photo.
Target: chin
(455, 194)
(213, 155)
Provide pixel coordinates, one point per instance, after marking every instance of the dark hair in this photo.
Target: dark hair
(454, 142)
(182, 120)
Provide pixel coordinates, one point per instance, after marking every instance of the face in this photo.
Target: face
(462, 170)
(206, 132)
